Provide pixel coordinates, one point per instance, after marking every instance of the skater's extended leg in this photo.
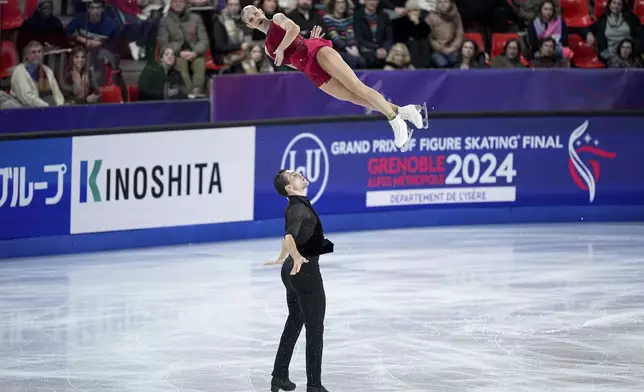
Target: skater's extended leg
(292, 329)
(339, 91)
(334, 65)
(312, 299)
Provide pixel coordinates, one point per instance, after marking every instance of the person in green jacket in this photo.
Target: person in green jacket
(159, 80)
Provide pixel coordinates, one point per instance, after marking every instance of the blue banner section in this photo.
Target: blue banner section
(64, 118)
(35, 188)
(291, 94)
(355, 167)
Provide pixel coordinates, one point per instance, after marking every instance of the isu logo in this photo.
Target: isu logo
(584, 176)
(307, 155)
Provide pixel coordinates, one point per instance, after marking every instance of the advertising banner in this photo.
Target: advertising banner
(355, 167)
(164, 179)
(35, 184)
(235, 98)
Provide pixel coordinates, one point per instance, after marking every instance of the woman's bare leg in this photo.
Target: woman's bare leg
(361, 94)
(339, 91)
(334, 65)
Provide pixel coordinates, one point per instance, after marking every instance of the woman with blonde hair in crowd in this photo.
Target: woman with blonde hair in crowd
(398, 58)
(256, 61)
(79, 84)
(33, 83)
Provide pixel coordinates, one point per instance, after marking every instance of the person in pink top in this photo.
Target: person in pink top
(324, 66)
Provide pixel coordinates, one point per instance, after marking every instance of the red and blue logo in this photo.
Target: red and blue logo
(585, 172)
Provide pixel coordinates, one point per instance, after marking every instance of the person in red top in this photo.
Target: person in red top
(317, 59)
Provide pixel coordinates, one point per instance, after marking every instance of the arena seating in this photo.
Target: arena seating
(576, 13)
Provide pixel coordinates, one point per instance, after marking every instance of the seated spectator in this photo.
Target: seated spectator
(270, 8)
(548, 24)
(257, 61)
(548, 58)
(185, 33)
(159, 80)
(446, 35)
(79, 84)
(373, 33)
(511, 56)
(305, 17)
(470, 57)
(614, 25)
(398, 58)
(413, 31)
(32, 83)
(626, 56)
(98, 33)
(229, 46)
(338, 23)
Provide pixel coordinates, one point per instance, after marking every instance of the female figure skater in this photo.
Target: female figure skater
(326, 69)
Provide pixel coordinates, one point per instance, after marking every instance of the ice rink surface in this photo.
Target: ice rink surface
(487, 309)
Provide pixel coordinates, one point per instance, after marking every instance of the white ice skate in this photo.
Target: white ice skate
(416, 114)
(402, 134)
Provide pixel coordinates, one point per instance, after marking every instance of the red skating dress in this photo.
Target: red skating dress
(300, 54)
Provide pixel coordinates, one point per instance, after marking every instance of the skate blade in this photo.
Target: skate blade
(405, 147)
(423, 112)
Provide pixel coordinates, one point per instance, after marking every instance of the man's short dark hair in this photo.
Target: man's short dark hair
(549, 39)
(280, 182)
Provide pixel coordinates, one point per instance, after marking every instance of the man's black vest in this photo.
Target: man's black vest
(317, 244)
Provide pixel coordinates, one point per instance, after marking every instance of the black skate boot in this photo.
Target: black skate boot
(285, 385)
(316, 389)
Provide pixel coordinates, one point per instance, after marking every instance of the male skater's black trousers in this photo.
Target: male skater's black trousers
(306, 307)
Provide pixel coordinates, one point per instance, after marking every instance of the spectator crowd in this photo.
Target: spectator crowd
(58, 52)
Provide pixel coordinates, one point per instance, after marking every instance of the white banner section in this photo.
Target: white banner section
(410, 197)
(162, 179)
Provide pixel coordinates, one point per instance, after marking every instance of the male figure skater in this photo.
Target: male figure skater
(303, 243)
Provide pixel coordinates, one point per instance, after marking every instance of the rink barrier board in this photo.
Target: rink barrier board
(273, 228)
(235, 98)
(214, 208)
(106, 115)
